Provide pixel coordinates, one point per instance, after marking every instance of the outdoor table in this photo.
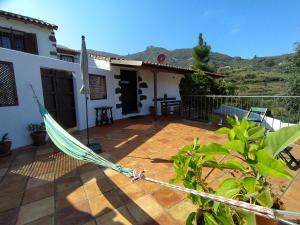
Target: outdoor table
(170, 107)
(104, 115)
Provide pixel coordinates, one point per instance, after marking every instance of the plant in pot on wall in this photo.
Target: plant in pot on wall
(5, 145)
(249, 157)
(215, 120)
(38, 133)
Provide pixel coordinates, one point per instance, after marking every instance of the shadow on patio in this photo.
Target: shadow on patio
(44, 186)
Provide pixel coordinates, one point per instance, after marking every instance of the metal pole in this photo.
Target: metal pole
(87, 120)
(155, 93)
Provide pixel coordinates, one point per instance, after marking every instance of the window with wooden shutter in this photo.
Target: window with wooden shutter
(8, 91)
(97, 87)
(31, 43)
(17, 40)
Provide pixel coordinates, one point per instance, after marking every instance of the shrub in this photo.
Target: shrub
(253, 155)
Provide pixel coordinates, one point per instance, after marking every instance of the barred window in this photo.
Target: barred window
(8, 91)
(97, 87)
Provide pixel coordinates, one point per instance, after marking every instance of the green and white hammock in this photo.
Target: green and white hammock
(74, 148)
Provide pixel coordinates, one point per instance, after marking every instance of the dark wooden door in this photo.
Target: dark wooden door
(129, 91)
(58, 94)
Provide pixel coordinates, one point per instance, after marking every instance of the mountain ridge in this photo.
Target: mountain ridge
(256, 76)
(183, 57)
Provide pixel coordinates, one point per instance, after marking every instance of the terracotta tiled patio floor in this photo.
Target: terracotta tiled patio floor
(44, 186)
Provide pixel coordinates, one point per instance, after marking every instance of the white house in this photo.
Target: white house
(29, 55)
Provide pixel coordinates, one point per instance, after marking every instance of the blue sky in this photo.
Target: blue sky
(235, 27)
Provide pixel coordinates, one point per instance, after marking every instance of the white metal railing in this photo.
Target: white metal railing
(282, 110)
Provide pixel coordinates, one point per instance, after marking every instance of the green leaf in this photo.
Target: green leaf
(276, 141)
(233, 121)
(250, 184)
(256, 133)
(191, 218)
(229, 164)
(265, 198)
(250, 218)
(244, 124)
(213, 149)
(224, 215)
(209, 219)
(233, 164)
(253, 148)
(211, 164)
(196, 143)
(174, 180)
(231, 135)
(222, 130)
(228, 188)
(268, 166)
(236, 145)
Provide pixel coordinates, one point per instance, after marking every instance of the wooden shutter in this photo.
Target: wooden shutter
(31, 43)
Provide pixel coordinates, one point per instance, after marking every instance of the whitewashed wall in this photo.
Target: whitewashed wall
(42, 34)
(167, 83)
(14, 119)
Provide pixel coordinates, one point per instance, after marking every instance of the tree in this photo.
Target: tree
(201, 55)
(199, 83)
(222, 87)
(196, 84)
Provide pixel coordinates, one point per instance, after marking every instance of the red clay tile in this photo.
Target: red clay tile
(76, 214)
(67, 184)
(38, 193)
(47, 220)
(9, 217)
(10, 201)
(167, 197)
(139, 144)
(69, 197)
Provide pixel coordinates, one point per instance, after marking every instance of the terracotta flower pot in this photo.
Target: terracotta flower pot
(214, 125)
(5, 148)
(152, 110)
(260, 220)
(39, 138)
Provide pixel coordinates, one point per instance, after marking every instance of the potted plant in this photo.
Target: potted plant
(38, 133)
(252, 156)
(152, 110)
(5, 145)
(215, 120)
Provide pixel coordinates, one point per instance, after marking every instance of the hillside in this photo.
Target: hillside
(256, 76)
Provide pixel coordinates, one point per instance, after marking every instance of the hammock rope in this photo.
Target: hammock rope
(74, 148)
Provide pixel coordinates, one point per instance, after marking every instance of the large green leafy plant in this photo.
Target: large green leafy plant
(249, 155)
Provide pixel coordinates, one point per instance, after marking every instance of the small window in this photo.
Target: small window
(97, 87)
(5, 40)
(8, 91)
(67, 58)
(19, 42)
